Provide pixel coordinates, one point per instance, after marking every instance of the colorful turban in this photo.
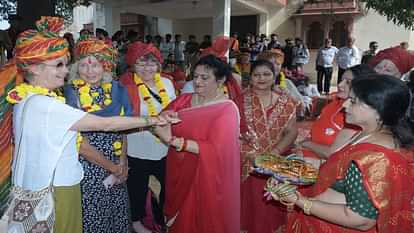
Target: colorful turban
(138, 49)
(42, 44)
(394, 61)
(103, 52)
(218, 48)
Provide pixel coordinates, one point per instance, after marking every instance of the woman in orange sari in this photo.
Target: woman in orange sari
(367, 185)
(330, 131)
(271, 123)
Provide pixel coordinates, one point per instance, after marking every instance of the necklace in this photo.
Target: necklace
(197, 102)
(146, 95)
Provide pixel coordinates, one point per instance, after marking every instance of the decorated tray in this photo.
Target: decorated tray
(292, 169)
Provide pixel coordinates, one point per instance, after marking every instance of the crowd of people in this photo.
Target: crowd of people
(94, 134)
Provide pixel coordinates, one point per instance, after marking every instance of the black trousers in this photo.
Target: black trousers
(340, 73)
(138, 178)
(324, 72)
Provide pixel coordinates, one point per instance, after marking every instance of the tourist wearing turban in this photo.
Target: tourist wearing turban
(102, 154)
(46, 128)
(149, 94)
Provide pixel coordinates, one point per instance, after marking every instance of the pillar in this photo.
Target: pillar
(221, 17)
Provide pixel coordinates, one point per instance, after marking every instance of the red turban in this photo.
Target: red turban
(138, 49)
(401, 58)
(103, 52)
(42, 44)
(219, 48)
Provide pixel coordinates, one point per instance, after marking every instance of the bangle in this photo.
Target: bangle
(147, 121)
(185, 144)
(307, 205)
(181, 145)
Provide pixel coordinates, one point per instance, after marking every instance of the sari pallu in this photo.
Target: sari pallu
(265, 127)
(387, 179)
(202, 191)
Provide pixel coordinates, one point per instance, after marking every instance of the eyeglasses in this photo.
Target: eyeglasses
(59, 65)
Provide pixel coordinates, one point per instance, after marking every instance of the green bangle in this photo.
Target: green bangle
(147, 121)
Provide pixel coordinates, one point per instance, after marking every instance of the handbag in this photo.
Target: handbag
(30, 211)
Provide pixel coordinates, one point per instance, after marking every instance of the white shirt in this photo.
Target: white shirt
(326, 56)
(144, 144)
(348, 57)
(166, 49)
(46, 143)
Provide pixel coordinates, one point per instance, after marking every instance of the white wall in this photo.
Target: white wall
(374, 27)
(281, 23)
(198, 27)
(165, 26)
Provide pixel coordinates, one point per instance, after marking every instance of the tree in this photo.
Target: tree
(31, 10)
(401, 12)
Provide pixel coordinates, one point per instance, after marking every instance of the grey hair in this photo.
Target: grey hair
(74, 74)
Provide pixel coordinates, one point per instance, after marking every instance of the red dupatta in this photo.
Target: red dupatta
(203, 191)
(387, 179)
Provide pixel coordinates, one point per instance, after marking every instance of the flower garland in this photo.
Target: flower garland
(86, 95)
(143, 91)
(117, 147)
(86, 99)
(20, 92)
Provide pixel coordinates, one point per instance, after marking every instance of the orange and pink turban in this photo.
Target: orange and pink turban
(42, 44)
(138, 49)
(103, 52)
(218, 48)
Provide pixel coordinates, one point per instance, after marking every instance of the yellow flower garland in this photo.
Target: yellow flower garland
(86, 101)
(146, 96)
(86, 95)
(21, 91)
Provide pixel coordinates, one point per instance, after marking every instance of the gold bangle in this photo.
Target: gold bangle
(307, 205)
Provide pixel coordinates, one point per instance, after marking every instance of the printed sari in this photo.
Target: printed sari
(386, 178)
(265, 127)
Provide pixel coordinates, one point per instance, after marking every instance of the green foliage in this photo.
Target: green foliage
(62, 7)
(400, 12)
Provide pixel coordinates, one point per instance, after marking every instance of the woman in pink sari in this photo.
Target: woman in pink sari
(203, 161)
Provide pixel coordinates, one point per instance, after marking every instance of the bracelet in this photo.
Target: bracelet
(185, 144)
(181, 145)
(147, 121)
(307, 205)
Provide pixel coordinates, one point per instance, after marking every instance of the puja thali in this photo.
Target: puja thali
(293, 170)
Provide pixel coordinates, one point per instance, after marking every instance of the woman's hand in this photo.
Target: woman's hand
(284, 192)
(164, 132)
(166, 117)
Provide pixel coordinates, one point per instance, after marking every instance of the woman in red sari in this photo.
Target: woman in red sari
(203, 162)
(367, 185)
(271, 123)
(330, 131)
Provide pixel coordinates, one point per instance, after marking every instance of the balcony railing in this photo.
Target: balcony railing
(315, 7)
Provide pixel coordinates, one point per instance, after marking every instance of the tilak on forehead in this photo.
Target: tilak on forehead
(92, 46)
